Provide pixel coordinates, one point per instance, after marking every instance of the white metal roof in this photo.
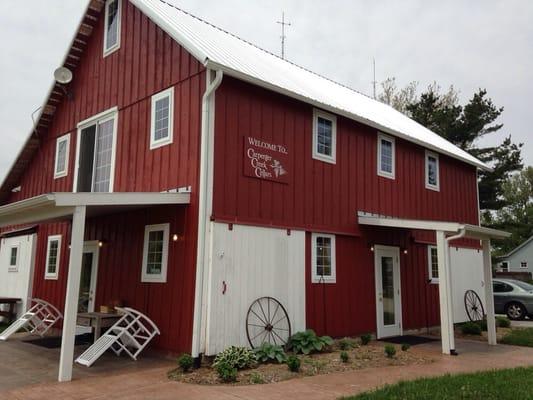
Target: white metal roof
(217, 48)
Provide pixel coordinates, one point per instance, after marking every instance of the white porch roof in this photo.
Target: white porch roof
(52, 206)
(470, 231)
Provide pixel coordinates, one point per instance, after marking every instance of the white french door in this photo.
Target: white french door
(388, 291)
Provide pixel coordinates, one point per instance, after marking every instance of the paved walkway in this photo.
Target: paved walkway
(151, 382)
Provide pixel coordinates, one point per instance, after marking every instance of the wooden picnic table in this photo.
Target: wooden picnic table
(10, 314)
(97, 321)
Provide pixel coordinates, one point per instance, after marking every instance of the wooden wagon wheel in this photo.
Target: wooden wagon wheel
(474, 306)
(267, 321)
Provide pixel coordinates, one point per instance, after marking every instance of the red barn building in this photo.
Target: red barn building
(187, 173)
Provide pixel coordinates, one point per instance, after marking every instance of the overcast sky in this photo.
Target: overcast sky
(470, 44)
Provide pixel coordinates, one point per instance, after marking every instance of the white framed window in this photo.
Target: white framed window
(504, 266)
(386, 156)
(432, 171)
(53, 255)
(62, 156)
(324, 136)
(95, 153)
(162, 119)
(14, 255)
(323, 258)
(112, 26)
(523, 264)
(155, 253)
(433, 264)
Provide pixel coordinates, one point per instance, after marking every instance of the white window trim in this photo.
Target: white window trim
(162, 277)
(64, 172)
(428, 185)
(154, 144)
(386, 174)
(315, 278)
(521, 262)
(54, 275)
(13, 268)
(95, 119)
(316, 155)
(430, 269)
(114, 48)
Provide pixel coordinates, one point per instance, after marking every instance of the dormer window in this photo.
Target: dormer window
(112, 26)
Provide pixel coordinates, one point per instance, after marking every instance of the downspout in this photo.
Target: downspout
(204, 210)
(461, 234)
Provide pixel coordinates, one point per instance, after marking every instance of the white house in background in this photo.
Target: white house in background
(520, 259)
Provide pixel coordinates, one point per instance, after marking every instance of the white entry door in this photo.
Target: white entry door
(388, 291)
(89, 271)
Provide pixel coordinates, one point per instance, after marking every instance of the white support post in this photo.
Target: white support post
(445, 295)
(71, 300)
(489, 297)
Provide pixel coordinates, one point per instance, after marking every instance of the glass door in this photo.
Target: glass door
(388, 291)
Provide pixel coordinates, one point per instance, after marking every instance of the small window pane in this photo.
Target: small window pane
(61, 156)
(432, 170)
(13, 257)
(323, 256)
(386, 156)
(52, 257)
(162, 118)
(154, 264)
(112, 24)
(434, 264)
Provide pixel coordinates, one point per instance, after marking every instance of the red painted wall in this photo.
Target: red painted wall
(147, 62)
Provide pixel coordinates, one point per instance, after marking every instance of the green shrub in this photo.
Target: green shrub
(346, 344)
(344, 357)
(235, 357)
(366, 338)
(308, 342)
(471, 328)
(256, 379)
(268, 352)
(293, 362)
(185, 361)
(406, 346)
(226, 372)
(482, 324)
(503, 322)
(390, 350)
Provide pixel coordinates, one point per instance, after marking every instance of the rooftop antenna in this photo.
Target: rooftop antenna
(374, 81)
(283, 25)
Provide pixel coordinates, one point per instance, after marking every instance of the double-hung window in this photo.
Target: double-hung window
(96, 153)
(433, 264)
(53, 252)
(432, 171)
(324, 136)
(62, 156)
(162, 118)
(112, 26)
(155, 253)
(386, 156)
(323, 258)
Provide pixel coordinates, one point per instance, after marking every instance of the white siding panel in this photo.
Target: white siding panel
(467, 274)
(18, 283)
(252, 262)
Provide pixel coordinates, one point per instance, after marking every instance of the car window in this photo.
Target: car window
(501, 287)
(524, 285)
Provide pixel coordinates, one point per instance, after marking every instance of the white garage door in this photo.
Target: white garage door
(17, 256)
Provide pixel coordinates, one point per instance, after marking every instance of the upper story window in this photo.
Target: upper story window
(432, 171)
(523, 264)
(95, 161)
(433, 264)
(53, 252)
(112, 26)
(386, 156)
(324, 136)
(62, 156)
(155, 253)
(323, 257)
(162, 119)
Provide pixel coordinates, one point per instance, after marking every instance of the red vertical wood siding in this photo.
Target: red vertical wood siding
(147, 62)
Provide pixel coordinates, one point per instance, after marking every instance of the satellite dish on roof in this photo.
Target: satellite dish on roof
(63, 75)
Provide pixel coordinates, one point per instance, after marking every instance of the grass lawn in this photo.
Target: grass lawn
(493, 385)
(519, 337)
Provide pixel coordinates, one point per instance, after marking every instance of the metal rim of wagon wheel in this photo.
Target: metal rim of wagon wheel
(474, 306)
(267, 321)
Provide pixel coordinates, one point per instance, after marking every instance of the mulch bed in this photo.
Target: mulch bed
(361, 357)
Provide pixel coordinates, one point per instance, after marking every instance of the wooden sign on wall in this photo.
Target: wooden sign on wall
(265, 160)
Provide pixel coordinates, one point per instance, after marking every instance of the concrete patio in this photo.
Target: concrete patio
(29, 372)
